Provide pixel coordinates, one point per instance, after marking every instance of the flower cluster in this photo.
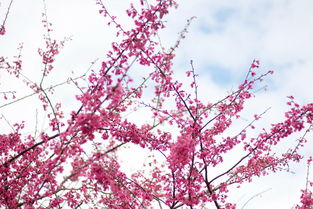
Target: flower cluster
(2, 30)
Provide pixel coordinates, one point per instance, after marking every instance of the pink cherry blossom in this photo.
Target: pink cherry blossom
(76, 161)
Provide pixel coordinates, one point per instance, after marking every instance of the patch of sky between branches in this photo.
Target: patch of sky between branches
(224, 14)
(219, 19)
(226, 78)
(220, 75)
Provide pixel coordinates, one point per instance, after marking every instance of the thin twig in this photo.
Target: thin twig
(254, 196)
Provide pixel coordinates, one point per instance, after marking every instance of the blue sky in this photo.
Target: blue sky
(230, 35)
(222, 42)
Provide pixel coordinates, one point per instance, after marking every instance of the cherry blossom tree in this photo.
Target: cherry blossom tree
(74, 162)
